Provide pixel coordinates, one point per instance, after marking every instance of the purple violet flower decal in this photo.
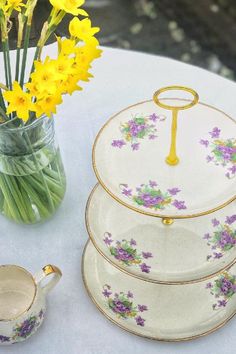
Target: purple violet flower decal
(150, 196)
(118, 143)
(223, 237)
(145, 268)
(137, 129)
(215, 222)
(204, 142)
(223, 288)
(153, 117)
(215, 133)
(123, 306)
(140, 321)
(174, 191)
(209, 285)
(152, 137)
(127, 192)
(135, 146)
(230, 219)
(179, 204)
(4, 339)
(133, 242)
(222, 152)
(142, 308)
(106, 292)
(27, 327)
(126, 253)
(147, 255)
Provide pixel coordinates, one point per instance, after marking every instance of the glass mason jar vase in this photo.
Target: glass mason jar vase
(32, 177)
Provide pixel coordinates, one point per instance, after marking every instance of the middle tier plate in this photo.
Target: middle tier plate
(187, 251)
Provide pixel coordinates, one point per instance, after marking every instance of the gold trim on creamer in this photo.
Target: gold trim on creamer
(184, 339)
(140, 210)
(154, 281)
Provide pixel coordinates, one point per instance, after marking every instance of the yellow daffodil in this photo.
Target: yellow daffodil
(46, 77)
(70, 6)
(88, 52)
(82, 29)
(63, 66)
(19, 102)
(66, 46)
(14, 5)
(33, 89)
(71, 84)
(48, 104)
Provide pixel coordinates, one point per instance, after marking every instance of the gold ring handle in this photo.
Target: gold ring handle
(175, 88)
(172, 158)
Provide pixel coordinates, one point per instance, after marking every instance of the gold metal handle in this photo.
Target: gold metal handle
(172, 158)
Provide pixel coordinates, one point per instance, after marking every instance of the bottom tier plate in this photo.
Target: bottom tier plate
(156, 311)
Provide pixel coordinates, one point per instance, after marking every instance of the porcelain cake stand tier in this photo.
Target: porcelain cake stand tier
(162, 312)
(130, 154)
(189, 250)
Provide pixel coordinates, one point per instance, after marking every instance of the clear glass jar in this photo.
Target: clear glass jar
(32, 177)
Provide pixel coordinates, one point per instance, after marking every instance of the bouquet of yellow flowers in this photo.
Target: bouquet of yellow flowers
(32, 179)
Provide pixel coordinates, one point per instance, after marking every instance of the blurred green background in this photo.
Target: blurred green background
(200, 32)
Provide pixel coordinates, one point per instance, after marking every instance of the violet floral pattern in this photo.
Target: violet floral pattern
(137, 129)
(4, 339)
(223, 289)
(223, 238)
(152, 197)
(126, 253)
(25, 329)
(222, 152)
(123, 306)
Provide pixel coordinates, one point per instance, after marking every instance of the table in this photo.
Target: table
(73, 325)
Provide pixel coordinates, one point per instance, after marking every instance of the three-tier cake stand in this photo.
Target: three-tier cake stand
(161, 260)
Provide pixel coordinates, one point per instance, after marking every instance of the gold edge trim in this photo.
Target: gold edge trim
(132, 275)
(143, 211)
(185, 339)
(35, 292)
(51, 269)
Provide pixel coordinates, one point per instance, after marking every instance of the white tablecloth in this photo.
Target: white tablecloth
(73, 325)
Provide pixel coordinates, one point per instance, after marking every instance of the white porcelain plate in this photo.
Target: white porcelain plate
(162, 312)
(189, 250)
(130, 151)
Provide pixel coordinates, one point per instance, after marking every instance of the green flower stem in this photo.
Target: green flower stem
(35, 58)
(2, 103)
(20, 195)
(31, 215)
(12, 209)
(8, 64)
(14, 188)
(40, 171)
(35, 197)
(5, 62)
(3, 113)
(53, 186)
(17, 64)
(24, 58)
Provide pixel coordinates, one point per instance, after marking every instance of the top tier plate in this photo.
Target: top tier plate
(129, 159)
